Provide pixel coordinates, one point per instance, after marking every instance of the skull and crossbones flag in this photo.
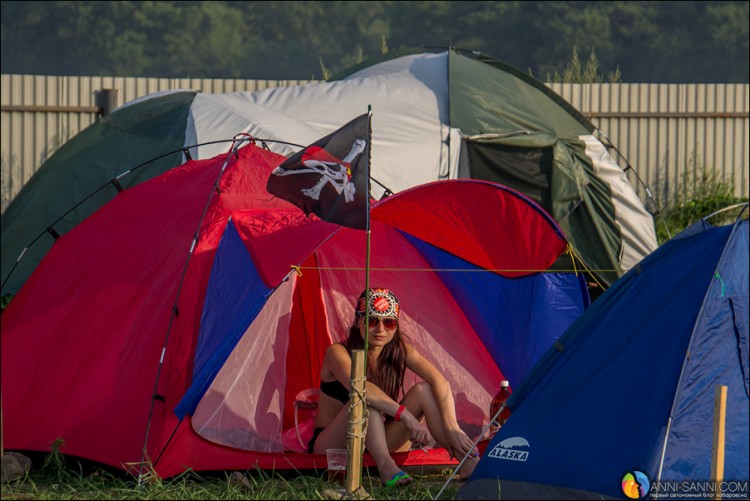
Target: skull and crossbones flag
(330, 178)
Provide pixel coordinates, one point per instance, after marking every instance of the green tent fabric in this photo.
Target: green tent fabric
(519, 133)
(91, 160)
(435, 115)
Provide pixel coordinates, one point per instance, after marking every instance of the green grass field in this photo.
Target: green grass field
(54, 478)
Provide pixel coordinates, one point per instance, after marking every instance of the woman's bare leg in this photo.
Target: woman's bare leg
(421, 403)
(334, 437)
(377, 446)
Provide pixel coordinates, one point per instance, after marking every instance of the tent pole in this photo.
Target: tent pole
(237, 142)
(664, 449)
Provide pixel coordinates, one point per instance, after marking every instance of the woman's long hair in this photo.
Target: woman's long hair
(389, 372)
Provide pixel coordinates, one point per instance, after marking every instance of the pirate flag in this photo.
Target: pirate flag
(330, 177)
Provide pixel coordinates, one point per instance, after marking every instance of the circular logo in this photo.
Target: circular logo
(383, 303)
(635, 484)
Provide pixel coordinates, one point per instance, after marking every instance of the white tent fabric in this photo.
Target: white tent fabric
(411, 138)
(638, 237)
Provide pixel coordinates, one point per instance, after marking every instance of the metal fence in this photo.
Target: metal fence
(40, 113)
(667, 132)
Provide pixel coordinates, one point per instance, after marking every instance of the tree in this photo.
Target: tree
(575, 72)
(697, 41)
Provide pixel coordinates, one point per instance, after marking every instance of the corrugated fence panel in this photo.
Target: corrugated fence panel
(665, 132)
(40, 113)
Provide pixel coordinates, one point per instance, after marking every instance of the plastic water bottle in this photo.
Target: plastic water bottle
(497, 402)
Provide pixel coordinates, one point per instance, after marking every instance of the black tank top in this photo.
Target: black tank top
(335, 389)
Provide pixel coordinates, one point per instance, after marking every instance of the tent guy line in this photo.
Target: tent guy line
(299, 269)
(571, 251)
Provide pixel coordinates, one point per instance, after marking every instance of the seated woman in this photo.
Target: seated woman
(393, 425)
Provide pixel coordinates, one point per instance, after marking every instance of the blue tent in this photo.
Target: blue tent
(626, 395)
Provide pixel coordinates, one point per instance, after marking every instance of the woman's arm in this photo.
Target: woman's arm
(339, 363)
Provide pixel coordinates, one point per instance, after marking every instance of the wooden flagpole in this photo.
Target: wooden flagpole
(357, 403)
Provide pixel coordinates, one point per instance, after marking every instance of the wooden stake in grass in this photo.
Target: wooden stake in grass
(717, 453)
(355, 434)
(357, 418)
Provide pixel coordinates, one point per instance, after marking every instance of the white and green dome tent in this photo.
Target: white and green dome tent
(436, 115)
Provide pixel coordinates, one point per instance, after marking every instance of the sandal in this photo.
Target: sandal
(398, 477)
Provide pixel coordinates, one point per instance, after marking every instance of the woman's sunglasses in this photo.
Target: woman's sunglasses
(389, 323)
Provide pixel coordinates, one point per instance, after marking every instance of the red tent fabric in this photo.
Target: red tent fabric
(146, 308)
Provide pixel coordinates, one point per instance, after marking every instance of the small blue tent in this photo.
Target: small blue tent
(629, 387)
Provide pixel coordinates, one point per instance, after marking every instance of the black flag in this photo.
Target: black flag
(330, 177)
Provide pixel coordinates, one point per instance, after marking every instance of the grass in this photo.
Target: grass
(56, 480)
(701, 193)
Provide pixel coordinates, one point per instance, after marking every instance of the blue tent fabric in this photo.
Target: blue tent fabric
(491, 303)
(235, 291)
(739, 309)
(718, 348)
(651, 348)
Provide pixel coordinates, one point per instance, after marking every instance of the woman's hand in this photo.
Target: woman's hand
(459, 444)
(420, 435)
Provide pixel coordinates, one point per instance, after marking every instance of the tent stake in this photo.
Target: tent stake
(717, 455)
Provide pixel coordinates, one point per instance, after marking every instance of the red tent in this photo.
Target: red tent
(187, 313)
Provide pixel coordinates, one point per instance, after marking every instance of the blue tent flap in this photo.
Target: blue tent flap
(234, 297)
(491, 302)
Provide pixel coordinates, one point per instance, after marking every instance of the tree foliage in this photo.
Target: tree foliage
(649, 41)
(576, 72)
